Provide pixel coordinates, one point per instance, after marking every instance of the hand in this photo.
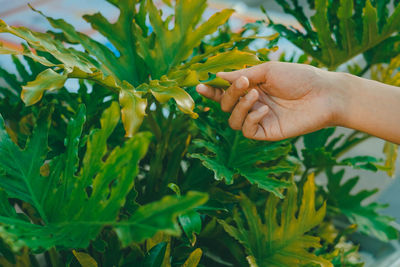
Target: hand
(283, 100)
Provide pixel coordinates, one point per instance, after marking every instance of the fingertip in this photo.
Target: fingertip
(242, 82)
(201, 88)
(205, 90)
(221, 74)
(253, 94)
(263, 109)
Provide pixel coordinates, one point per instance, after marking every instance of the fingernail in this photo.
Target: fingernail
(263, 109)
(252, 94)
(201, 88)
(242, 82)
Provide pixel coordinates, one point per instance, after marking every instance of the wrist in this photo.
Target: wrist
(340, 89)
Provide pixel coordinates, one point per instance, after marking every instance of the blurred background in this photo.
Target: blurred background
(17, 13)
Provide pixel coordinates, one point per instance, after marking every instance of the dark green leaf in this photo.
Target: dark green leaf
(367, 218)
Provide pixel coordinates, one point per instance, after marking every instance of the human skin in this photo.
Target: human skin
(277, 100)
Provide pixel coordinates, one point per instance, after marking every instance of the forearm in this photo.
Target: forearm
(367, 106)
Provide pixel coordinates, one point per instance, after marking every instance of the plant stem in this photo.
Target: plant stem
(54, 259)
(156, 165)
(154, 126)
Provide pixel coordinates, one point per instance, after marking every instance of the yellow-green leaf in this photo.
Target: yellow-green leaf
(164, 90)
(133, 110)
(70, 58)
(47, 80)
(84, 259)
(168, 47)
(225, 61)
(194, 258)
(279, 242)
(218, 83)
(6, 50)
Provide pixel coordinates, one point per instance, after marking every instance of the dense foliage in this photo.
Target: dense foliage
(135, 169)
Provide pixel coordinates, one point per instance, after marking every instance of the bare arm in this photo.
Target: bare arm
(277, 100)
(368, 106)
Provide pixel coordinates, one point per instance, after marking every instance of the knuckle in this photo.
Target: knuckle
(270, 74)
(268, 67)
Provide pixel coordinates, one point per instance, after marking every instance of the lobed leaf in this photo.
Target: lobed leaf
(229, 154)
(337, 36)
(158, 216)
(61, 198)
(366, 217)
(280, 242)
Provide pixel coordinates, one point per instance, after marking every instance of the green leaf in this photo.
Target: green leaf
(367, 218)
(61, 198)
(70, 58)
(84, 259)
(158, 216)
(341, 29)
(97, 144)
(166, 89)
(169, 47)
(22, 177)
(192, 73)
(194, 258)
(361, 162)
(225, 61)
(109, 62)
(155, 256)
(79, 65)
(229, 154)
(280, 242)
(191, 225)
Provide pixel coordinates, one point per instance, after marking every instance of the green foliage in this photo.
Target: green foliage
(83, 180)
(61, 198)
(365, 216)
(320, 152)
(231, 154)
(340, 30)
(281, 242)
(160, 51)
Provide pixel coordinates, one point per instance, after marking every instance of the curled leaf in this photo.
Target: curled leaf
(47, 80)
(133, 110)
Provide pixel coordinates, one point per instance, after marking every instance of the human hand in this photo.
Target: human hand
(283, 100)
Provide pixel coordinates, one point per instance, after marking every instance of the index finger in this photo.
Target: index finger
(210, 92)
(238, 89)
(255, 74)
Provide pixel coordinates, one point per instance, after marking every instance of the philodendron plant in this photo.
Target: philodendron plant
(135, 169)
